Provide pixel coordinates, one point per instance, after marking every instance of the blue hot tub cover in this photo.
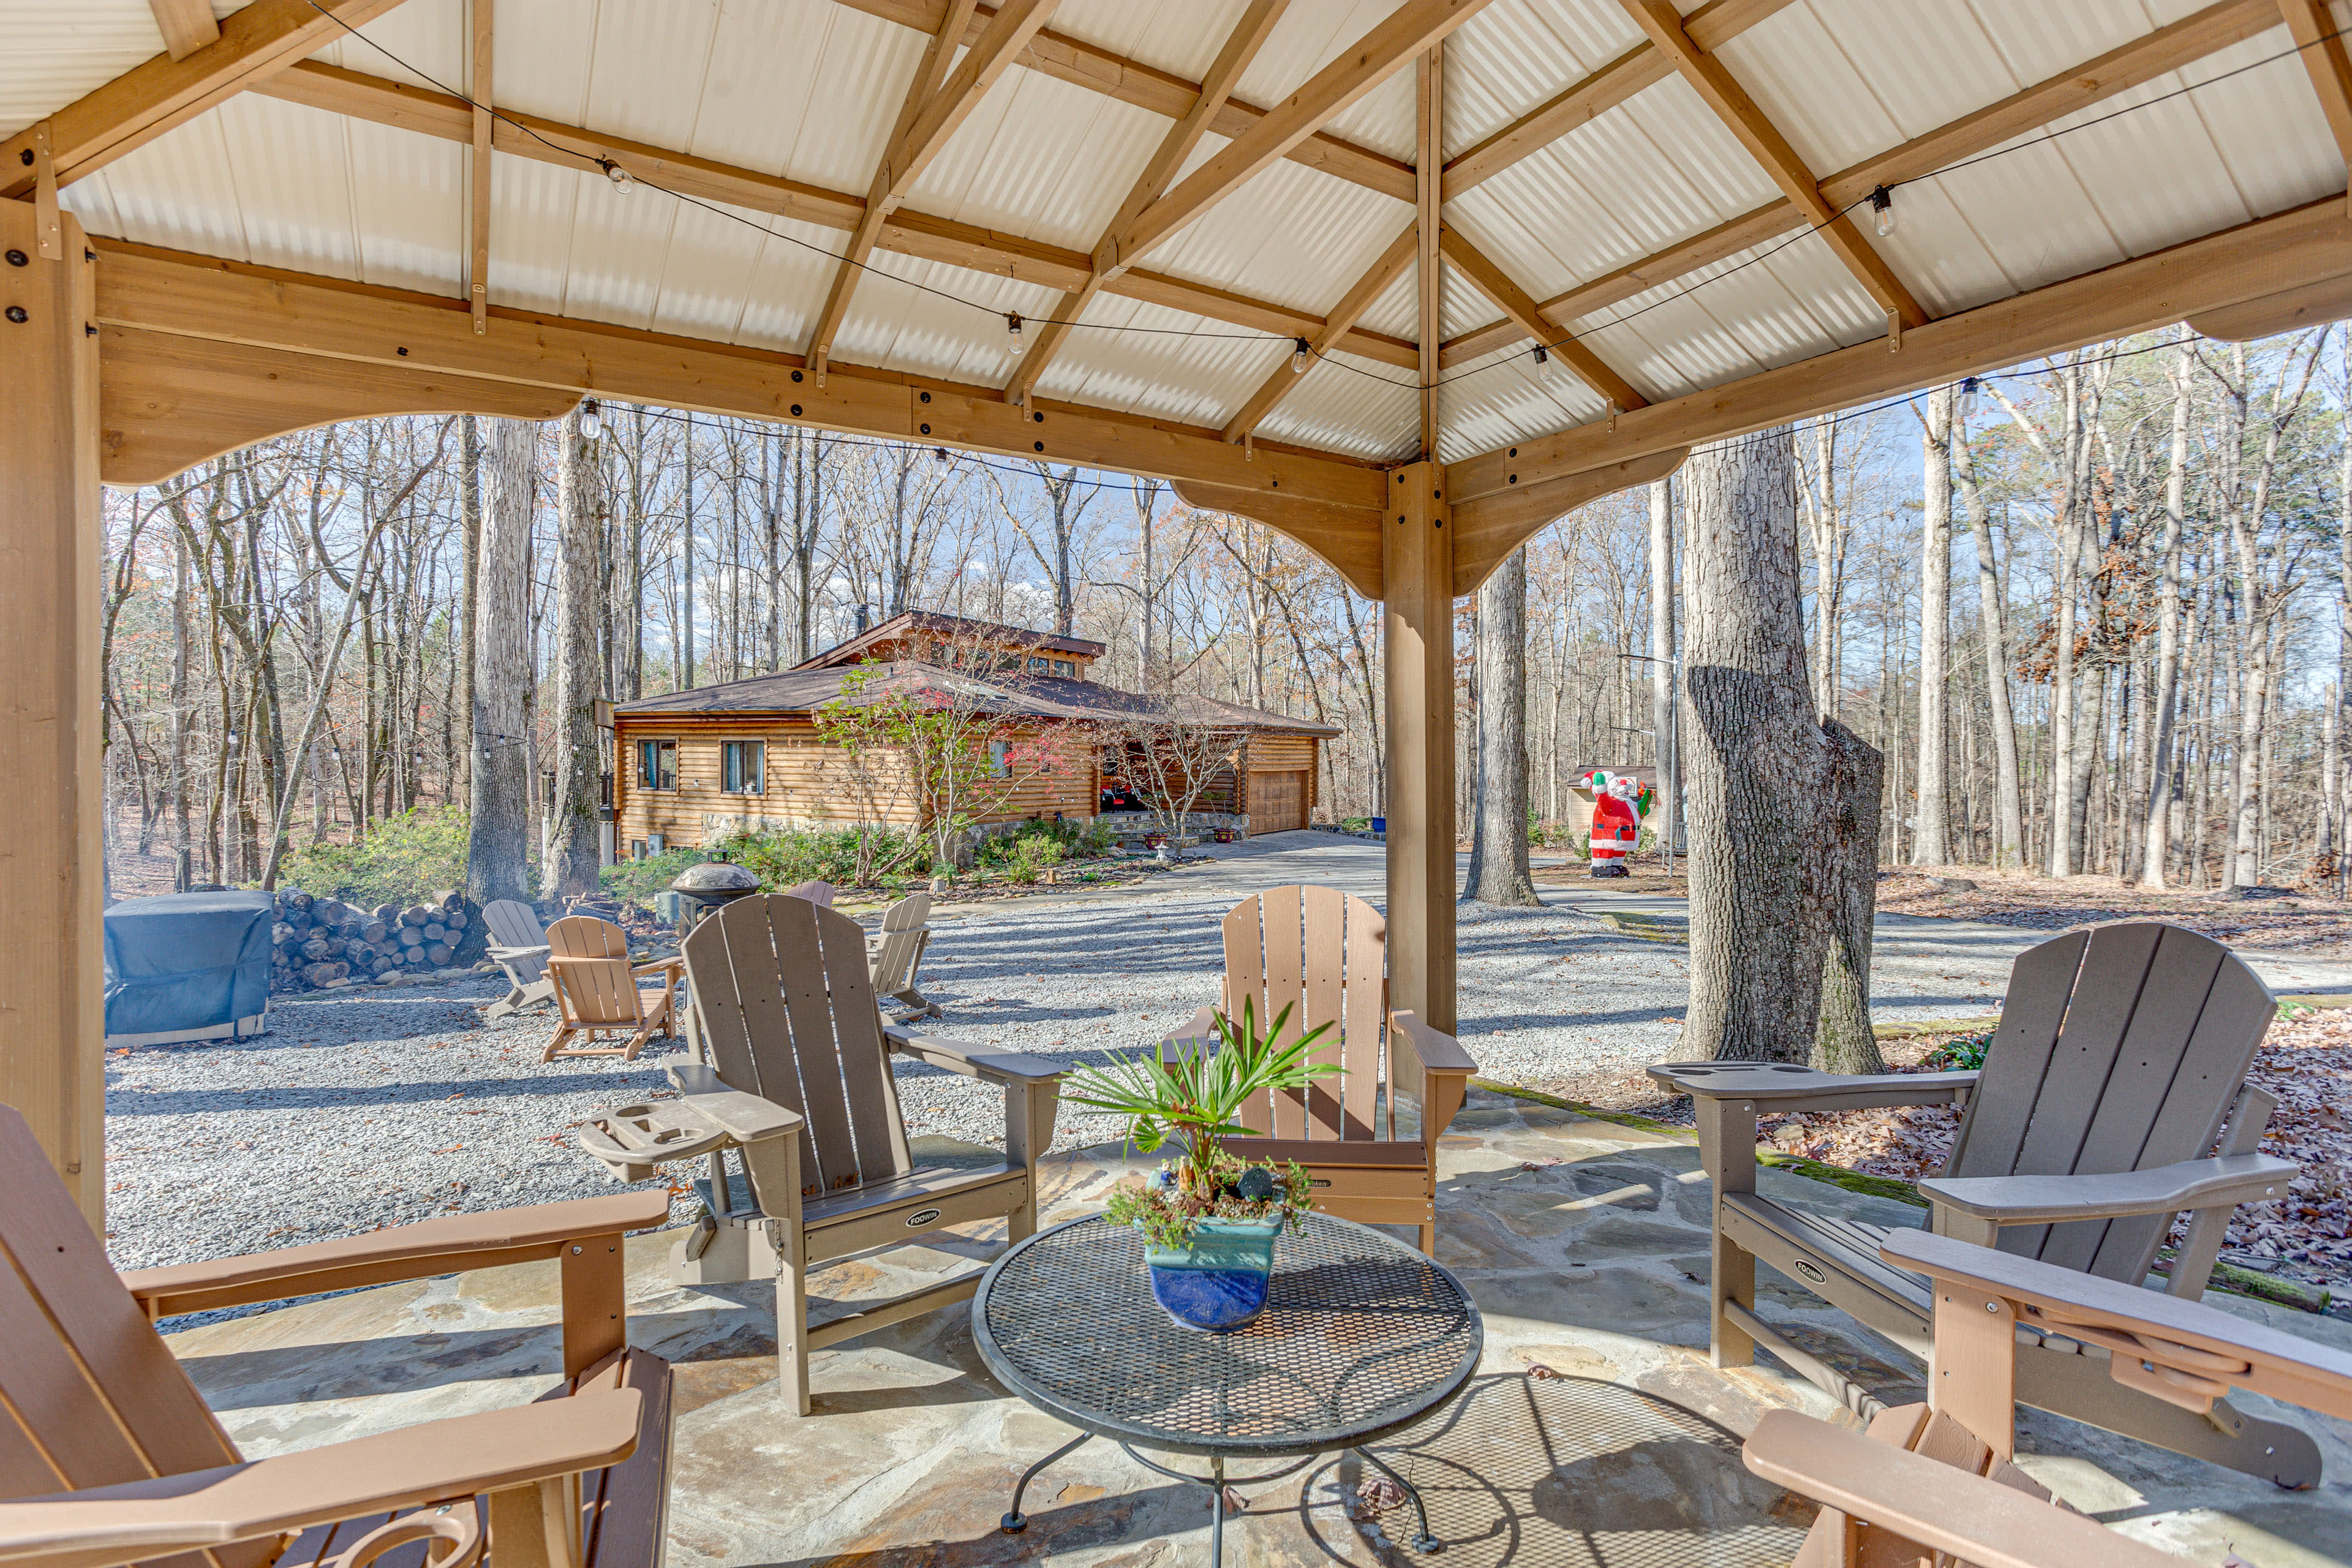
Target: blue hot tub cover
(187, 966)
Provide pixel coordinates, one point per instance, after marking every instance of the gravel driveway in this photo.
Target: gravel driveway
(363, 1108)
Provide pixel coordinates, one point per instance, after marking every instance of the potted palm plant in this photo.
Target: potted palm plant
(1208, 1218)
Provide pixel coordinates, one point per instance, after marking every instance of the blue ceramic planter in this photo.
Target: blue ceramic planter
(1219, 1281)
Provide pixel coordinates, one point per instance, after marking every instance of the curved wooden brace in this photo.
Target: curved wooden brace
(2311, 305)
(1347, 539)
(1486, 531)
(167, 402)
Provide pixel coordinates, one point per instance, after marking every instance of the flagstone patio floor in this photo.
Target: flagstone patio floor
(1594, 1436)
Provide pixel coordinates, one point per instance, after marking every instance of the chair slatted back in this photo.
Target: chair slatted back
(589, 958)
(819, 892)
(2119, 1049)
(787, 1012)
(901, 939)
(89, 1394)
(908, 915)
(1323, 953)
(513, 924)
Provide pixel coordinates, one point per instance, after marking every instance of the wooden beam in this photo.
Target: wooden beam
(116, 119)
(1522, 309)
(1403, 36)
(2296, 310)
(477, 208)
(2166, 50)
(1638, 68)
(2321, 44)
(52, 1054)
(937, 104)
(1349, 543)
(1429, 131)
(187, 25)
(904, 232)
(199, 297)
(1242, 45)
(1353, 304)
(1487, 530)
(1098, 69)
(169, 403)
(2293, 250)
(1729, 100)
(1418, 656)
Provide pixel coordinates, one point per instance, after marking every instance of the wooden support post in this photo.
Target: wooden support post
(1419, 575)
(52, 1028)
(1726, 1150)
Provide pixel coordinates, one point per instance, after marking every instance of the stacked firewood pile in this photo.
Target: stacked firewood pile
(320, 942)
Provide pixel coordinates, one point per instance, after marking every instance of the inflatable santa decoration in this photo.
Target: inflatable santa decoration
(1616, 825)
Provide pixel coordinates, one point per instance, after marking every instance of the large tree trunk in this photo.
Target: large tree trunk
(578, 681)
(1755, 765)
(496, 853)
(2167, 632)
(470, 504)
(2009, 837)
(1668, 806)
(1843, 1041)
(1930, 842)
(1498, 847)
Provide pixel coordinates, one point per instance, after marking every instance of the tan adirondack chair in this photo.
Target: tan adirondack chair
(597, 991)
(1368, 1138)
(2121, 1053)
(1940, 1476)
(517, 946)
(786, 1011)
(896, 955)
(819, 893)
(108, 1454)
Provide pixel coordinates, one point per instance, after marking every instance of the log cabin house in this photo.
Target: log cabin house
(694, 767)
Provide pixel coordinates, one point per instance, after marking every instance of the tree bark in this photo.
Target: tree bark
(2166, 700)
(1668, 806)
(1930, 844)
(1754, 765)
(578, 681)
(1498, 849)
(496, 851)
(1842, 1040)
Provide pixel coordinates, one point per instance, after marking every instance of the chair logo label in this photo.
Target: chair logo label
(921, 1217)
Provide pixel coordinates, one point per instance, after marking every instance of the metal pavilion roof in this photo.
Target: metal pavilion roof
(313, 170)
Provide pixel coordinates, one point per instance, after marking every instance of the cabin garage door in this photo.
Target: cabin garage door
(1277, 801)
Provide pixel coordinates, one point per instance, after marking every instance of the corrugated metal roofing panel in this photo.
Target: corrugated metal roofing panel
(707, 271)
(544, 51)
(787, 285)
(425, 43)
(646, 75)
(2266, 123)
(1182, 40)
(57, 53)
(531, 232)
(1397, 311)
(408, 207)
(1353, 405)
(1516, 55)
(1311, 35)
(1501, 398)
(1043, 159)
(1292, 234)
(1182, 368)
(1831, 94)
(180, 191)
(896, 325)
(769, 94)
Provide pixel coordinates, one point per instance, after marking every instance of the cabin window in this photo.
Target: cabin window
(745, 766)
(636, 849)
(999, 758)
(1040, 666)
(1066, 668)
(657, 765)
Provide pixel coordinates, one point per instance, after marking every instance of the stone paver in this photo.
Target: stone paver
(1583, 1241)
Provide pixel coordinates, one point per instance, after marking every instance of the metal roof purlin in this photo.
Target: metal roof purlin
(142, 104)
(933, 110)
(1241, 47)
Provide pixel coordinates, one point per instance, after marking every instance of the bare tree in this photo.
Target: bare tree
(1498, 844)
(1929, 844)
(499, 822)
(580, 512)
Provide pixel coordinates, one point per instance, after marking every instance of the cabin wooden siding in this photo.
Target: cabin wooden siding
(808, 782)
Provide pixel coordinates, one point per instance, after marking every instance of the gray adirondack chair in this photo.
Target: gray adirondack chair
(2121, 1054)
(786, 1011)
(519, 946)
(895, 953)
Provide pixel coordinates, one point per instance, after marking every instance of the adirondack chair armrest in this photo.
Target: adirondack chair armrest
(1783, 1087)
(2223, 1182)
(433, 1461)
(676, 966)
(745, 1118)
(415, 1251)
(1937, 1505)
(696, 1077)
(1436, 1053)
(504, 953)
(970, 1058)
(1198, 1031)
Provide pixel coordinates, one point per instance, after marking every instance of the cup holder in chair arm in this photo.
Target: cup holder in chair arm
(631, 1139)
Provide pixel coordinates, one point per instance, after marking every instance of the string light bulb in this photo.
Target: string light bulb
(1013, 332)
(622, 179)
(1882, 202)
(1298, 360)
(592, 420)
(1544, 365)
(1968, 387)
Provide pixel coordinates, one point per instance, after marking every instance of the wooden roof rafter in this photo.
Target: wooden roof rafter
(1520, 307)
(2321, 43)
(187, 25)
(1429, 225)
(477, 205)
(1241, 47)
(937, 103)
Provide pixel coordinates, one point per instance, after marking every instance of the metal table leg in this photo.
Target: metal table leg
(1015, 1522)
(1425, 1542)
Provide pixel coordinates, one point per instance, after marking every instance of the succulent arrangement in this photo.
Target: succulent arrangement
(1194, 1101)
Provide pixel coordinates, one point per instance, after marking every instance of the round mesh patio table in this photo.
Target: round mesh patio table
(1361, 1337)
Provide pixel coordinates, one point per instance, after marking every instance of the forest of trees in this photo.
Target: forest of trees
(2091, 610)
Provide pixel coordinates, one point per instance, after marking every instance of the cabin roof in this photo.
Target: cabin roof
(908, 623)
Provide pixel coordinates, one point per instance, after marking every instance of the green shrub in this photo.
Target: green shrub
(400, 859)
(781, 857)
(638, 880)
(1965, 1054)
